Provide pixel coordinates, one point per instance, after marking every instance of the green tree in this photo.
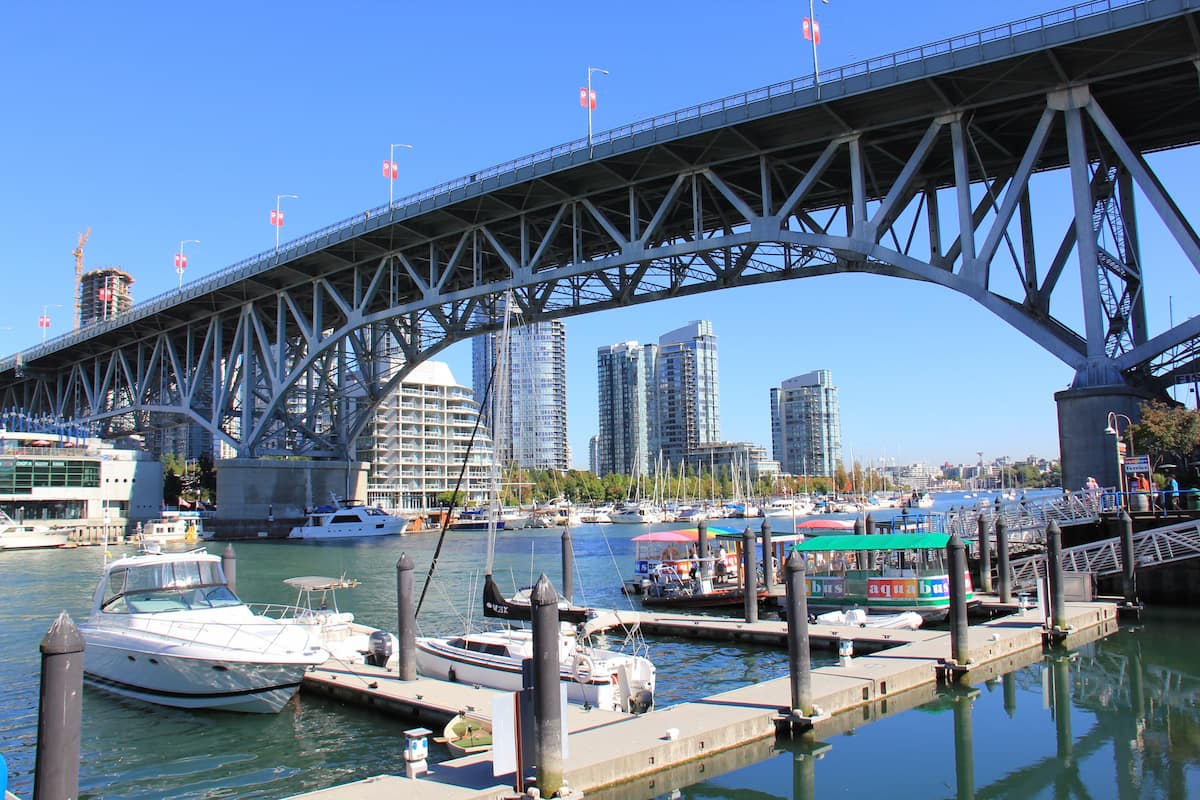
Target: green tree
(1167, 432)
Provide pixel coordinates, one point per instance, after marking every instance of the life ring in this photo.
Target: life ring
(582, 668)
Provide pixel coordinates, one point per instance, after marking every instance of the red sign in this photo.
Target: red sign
(43, 321)
(812, 30)
(277, 218)
(105, 295)
(587, 97)
(390, 170)
(180, 261)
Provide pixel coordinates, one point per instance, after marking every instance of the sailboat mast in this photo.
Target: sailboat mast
(500, 395)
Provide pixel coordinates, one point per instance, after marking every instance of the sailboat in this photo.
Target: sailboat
(595, 677)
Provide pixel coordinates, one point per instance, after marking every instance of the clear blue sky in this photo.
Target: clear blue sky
(152, 123)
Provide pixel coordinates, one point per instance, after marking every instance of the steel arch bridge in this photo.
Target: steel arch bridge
(935, 164)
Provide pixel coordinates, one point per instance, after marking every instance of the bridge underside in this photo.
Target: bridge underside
(1012, 181)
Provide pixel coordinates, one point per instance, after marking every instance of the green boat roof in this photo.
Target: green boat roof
(875, 541)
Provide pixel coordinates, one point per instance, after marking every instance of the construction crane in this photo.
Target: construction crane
(78, 253)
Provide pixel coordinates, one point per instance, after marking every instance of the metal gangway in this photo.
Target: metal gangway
(1151, 548)
(1026, 520)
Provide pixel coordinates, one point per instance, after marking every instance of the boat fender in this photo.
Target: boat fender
(582, 668)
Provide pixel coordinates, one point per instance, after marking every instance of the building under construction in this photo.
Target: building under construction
(104, 293)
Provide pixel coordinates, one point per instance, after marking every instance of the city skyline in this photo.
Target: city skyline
(190, 150)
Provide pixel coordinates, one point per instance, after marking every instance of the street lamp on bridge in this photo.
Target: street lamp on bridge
(1114, 430)
(277, 216)
(587, 99)
(181, 259)
(391, 170)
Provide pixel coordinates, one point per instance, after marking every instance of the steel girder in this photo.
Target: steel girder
(948, 187)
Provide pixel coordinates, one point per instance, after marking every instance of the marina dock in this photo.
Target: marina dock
(892, 671)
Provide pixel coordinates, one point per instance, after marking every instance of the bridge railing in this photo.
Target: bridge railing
(672, 119)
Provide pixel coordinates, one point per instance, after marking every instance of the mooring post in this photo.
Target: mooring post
(799, 660)
(1058, 605)
(964, 746)
(229, 567)
(1002, 577)
(768, 556)
(956, 558)
(860, 526)
(1061, 681)
(985, 557)
(702, 550)
(547, 714)
(568, 566)
(1128, 560)
(56, 771)
(749, 577)
(406, 627)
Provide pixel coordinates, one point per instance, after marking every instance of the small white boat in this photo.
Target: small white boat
(348, 521)
(467, 732)
(30, 535)
(905, 620)
(604, 679)
(637, 514)
(178, 527)
(165, 628)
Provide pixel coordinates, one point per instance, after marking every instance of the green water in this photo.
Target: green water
(1116, 744)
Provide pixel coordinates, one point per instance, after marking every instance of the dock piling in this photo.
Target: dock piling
(768, 556)
(1002, 575)
(1128, 560)
(56, 770)
(956, 558)
(964, 745)
(568, 566)
(799, 660)
(1054, 569)
(406, 623)
(547, 713)
(229, 567)
(985, 556)
(749, 577)
(702, 549)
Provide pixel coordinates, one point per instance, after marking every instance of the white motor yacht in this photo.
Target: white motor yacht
(348, 521)
(165, 628)
(30, 535)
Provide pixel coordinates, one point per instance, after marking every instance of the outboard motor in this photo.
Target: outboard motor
(379, 649)
(641, 702)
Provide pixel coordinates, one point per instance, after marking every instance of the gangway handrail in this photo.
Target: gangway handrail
(291, 249)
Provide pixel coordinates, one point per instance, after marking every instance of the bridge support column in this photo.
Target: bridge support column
(1086, 450)
(249, 490)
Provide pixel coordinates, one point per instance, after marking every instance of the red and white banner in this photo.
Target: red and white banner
(390, 170)
(277, 218)
(812, 30)
(180, 261)
(104, 295)
(43, 321)
(587, 97)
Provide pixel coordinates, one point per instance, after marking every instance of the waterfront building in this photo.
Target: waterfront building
(531, 430)
(103, 294)
(806, 424)
(687, 392)
(418, 439)
(626, 404)
(729, 459)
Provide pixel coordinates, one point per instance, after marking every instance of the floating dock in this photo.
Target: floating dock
(623, 755)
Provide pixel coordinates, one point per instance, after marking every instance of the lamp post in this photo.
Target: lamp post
(277, 216)
(812, 32)
(1113, 430)
(390, 170)
(587, 99)
(44, 319)
(181, 259)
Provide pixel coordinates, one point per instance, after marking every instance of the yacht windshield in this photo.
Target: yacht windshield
(168, 586)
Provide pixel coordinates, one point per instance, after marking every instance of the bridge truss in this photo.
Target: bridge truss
(947, 169)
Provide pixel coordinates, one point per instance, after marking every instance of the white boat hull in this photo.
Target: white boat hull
(393, 527)
(33, 540)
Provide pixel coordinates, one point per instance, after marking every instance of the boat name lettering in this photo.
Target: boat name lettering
(935, 587)
(820, 586)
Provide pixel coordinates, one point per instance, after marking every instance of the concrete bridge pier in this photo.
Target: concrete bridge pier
(259, 494)
(1085, 448)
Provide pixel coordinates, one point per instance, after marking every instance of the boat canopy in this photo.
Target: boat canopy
(687, 535)
(318, 583)
(875, 541)
(825, 524)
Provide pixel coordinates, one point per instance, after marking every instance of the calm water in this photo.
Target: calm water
(1119, 747)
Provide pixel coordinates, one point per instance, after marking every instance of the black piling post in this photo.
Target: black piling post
(406, 629)
(1058, 605)
(1003, 579)
(568, 566)
(985, 557)
(56, 771)
(956, 559)
(768, 556)
(860, 526)
(871, 523)
(1061, 679)
(799, 661)
(749, 577)
(702, 550)
(229, 567)
(964, 747)
(1128, 560)
(547, 713)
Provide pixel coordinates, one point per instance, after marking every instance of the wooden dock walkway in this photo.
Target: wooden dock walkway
(679, 745)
